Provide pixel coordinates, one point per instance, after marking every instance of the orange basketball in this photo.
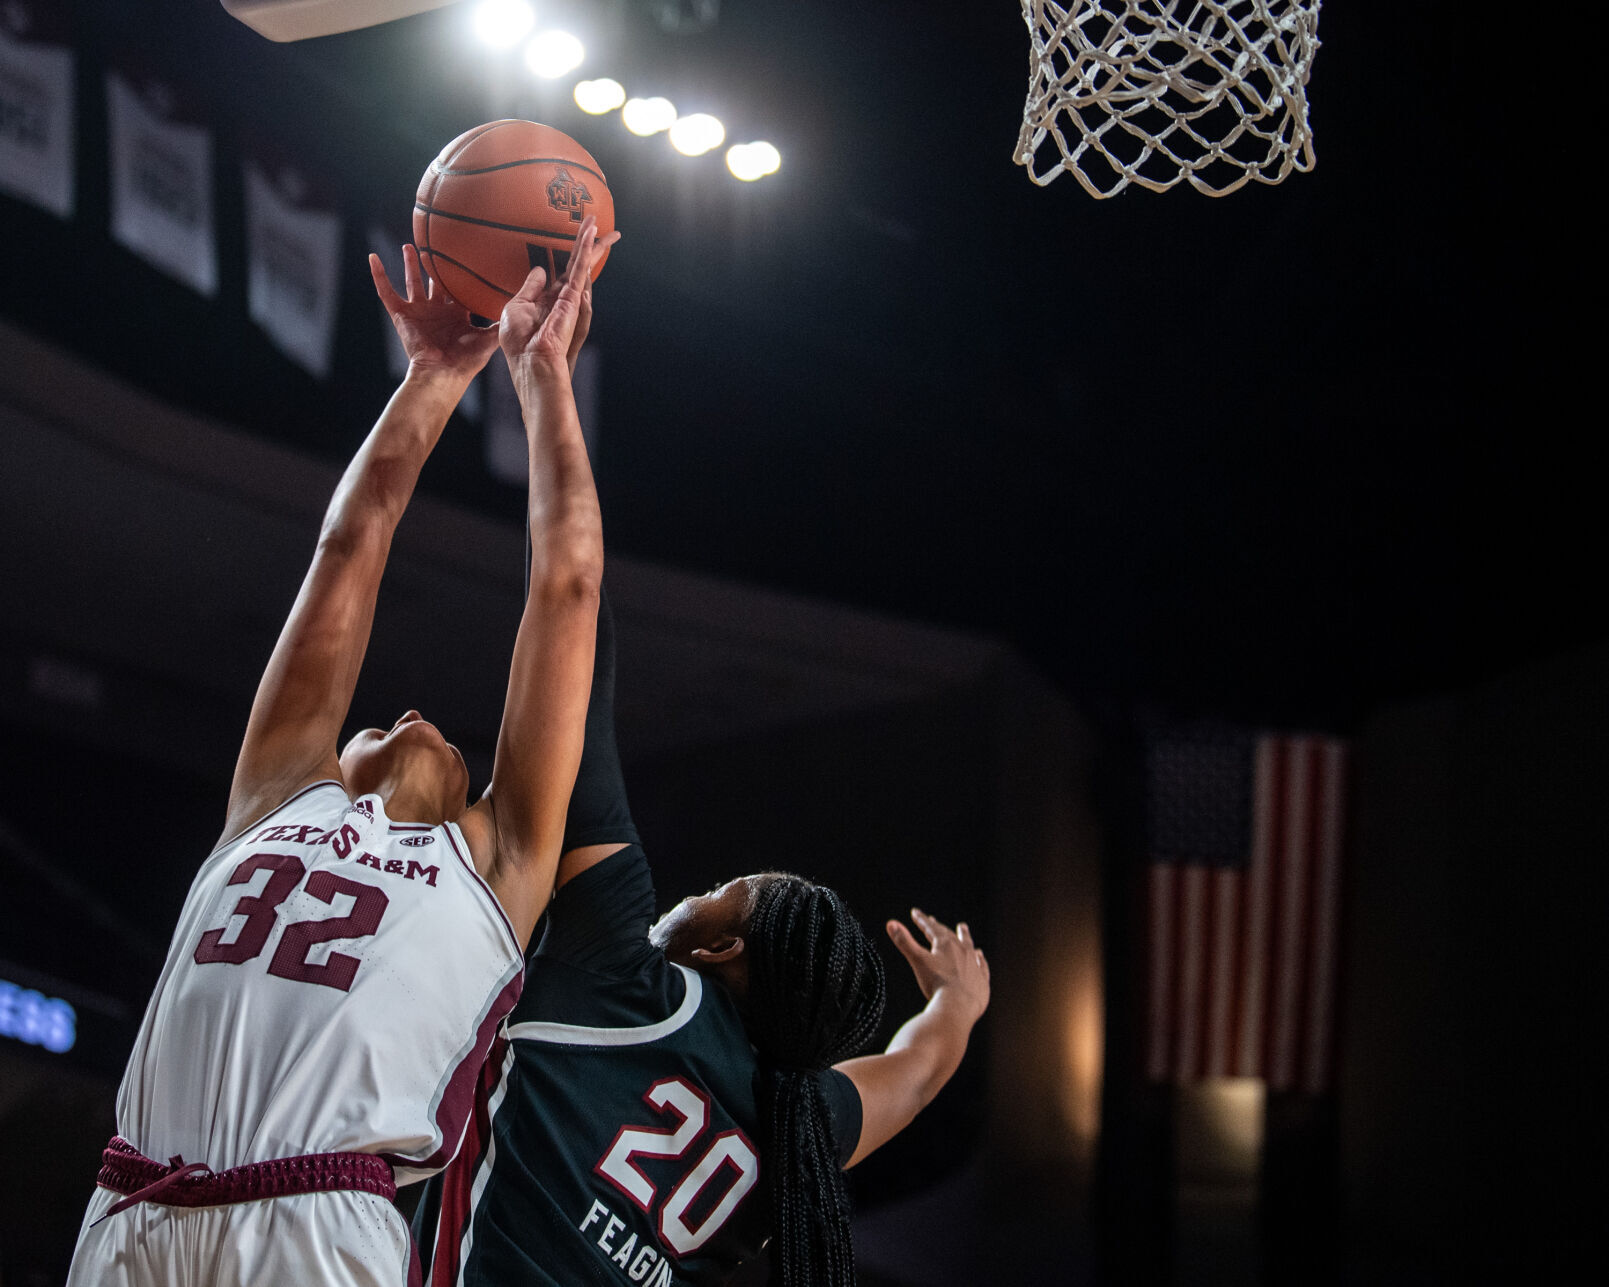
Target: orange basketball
(501, 199)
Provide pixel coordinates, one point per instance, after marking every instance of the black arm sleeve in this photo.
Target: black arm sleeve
(843, 1103)
(599, 921)
(594, 965)
(599, 813)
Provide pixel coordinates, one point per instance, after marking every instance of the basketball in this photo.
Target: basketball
(501, 199)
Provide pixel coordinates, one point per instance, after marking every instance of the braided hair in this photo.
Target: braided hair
(815, 996)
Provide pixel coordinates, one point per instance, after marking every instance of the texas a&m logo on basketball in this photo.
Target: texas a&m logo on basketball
(569, 195)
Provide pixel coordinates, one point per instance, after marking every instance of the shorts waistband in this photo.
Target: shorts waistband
(125, 1170)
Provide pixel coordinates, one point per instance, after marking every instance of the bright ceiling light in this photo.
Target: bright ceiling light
(696, 134)
(742, 162)
(553, 53)
(648, 115)
(503, 22)
(599, 96)
(751, 161)
(770, 159)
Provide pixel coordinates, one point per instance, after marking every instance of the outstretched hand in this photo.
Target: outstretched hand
(434, 328)
(548, 321)
(950, 960)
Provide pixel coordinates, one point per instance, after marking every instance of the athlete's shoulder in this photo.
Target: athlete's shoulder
(302, 812)
(435, 855)
(567, 1006)
(614, 886)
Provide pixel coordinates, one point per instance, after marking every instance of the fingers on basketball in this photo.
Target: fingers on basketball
(531, 290)
(411, 275)
(596, 246)
(579, 272)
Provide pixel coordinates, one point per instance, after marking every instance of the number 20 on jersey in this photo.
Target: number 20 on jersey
(728, 1159)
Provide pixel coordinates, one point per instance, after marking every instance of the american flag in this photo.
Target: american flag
(1246, 838)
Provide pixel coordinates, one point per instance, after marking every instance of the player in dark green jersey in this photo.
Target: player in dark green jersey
(671, 1096)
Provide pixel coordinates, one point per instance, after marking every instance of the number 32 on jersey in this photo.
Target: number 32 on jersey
(259, 914)
(706, 1196)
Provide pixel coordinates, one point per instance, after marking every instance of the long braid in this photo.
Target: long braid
(815, 996)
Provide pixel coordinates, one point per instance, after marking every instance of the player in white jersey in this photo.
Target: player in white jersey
(346, 953)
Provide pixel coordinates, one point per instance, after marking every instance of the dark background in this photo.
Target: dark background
(1275, 456)
(1308, 456)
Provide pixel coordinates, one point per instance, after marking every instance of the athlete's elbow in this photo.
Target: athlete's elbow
(567, 589)
(935, 1076)
(568, 564)
(353, 532)
(929, 1090)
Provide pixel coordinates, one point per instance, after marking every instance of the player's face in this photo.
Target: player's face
(411, 752)
(704, 920)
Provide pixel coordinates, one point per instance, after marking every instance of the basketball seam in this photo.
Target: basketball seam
(478, 133)
(487, 223)
(529, 160)
(448, 259)
(429, 249)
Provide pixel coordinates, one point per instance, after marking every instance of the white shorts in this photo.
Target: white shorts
(343, 1239)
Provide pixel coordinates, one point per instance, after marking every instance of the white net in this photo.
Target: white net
(1157, 91)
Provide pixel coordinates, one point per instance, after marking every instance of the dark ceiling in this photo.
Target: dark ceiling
(1277, 457)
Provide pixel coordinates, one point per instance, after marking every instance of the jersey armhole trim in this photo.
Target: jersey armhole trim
(460, 846)
(283, 804)
(572, 1034)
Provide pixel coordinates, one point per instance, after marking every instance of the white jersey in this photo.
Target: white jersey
(333, 986)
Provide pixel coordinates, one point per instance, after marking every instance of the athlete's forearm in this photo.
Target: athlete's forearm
(378, 484)
(899, 1083)
(565, 522)
(936, 1040)
(544, 716)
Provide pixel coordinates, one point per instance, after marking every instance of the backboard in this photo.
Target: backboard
(301, 19)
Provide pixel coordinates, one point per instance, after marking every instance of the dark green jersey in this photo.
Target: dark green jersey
(615, 1139)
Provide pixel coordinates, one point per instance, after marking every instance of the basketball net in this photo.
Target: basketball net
(1155, 91)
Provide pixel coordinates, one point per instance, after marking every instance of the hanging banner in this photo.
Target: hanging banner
(388, 243)
(161, 182)
(292, 269)
(36, 107)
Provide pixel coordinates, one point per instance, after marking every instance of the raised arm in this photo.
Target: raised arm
(515, 830)
(924, 1054)
(303, 698)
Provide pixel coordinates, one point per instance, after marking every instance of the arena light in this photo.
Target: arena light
(647, 116)
(751, 161)
(599, 96)
(552, 54)
(503, 23)
(770, 159)
(38, 1020)
(696, 134)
